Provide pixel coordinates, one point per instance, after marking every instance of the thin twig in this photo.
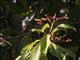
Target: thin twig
(52, 26)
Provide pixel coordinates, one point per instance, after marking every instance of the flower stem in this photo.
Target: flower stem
(52, 26)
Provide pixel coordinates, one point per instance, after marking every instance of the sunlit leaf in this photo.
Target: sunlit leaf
(66, 26)
(35, 50)
(56, 29)
(36, 30)
(32, 54)
(29, 52)
(29, 46)
(45, 43)
(18, 58)
(63, 27)
(37, 54)
(38, 20)
(45, 26)
(42, 29)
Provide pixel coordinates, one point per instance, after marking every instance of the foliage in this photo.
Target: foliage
(62, 36)
(39, 48)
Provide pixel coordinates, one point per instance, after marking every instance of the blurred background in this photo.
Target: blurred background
(13, 12)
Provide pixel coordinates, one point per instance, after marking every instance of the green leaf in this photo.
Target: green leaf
(61, 52)
(55, 30)
(26, 50)
(32, 54)
(34, 50)
(42, 29)
(45, 43)
(66, 26)
(18, 58)
(45, 26)
(63, 27)
(55, 51)
(29, 46)
(36, 30)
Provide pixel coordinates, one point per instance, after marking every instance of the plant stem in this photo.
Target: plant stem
(52, 26)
